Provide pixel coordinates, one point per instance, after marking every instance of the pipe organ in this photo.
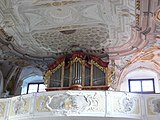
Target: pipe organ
(77, 71)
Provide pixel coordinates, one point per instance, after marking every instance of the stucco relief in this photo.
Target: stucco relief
(157, 15)
(3, 106)
(67, 103)
(41, 17)
(41, 104)
(125, 103)
(20, 106)
(153, 104)
(56, 13)
(156, 106)
(71, 103)
(1, 19)
(88, 38)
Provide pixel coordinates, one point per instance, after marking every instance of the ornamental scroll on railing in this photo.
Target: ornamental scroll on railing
(77, 71)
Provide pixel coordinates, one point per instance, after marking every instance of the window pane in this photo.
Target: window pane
(41, 88)
(147, 85)
(135, 86)
(32, 88)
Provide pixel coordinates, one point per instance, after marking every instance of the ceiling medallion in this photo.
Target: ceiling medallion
(68, 31)
(59, 12)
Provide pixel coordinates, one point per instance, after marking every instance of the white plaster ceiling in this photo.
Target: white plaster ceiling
(47, 28)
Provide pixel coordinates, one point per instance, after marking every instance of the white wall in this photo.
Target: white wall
(140, 73)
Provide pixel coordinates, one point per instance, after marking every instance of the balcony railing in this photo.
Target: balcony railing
(104, 104)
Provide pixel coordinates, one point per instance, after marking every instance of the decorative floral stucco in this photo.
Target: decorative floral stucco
(71, 102)
(20, 105)
(123, 103)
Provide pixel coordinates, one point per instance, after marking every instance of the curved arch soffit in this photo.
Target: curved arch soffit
(139, 73)
(146, 65)
(28, 75)
(29, 71)
(30, 79)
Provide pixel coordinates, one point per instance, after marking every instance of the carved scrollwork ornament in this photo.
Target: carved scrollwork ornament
(157, 15)
(47, 76)
(111, 73)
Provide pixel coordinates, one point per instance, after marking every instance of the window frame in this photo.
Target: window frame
(145, 92)
(34, 83)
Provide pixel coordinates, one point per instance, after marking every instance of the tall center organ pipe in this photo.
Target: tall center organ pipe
(76, 78)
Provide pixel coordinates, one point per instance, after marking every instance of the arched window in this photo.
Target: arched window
(142, 85)
(141, 80)
(36, 87)
(31, 77)
(33, 84)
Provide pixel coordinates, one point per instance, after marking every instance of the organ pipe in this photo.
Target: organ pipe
(84, 70)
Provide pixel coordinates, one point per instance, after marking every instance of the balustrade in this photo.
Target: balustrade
(104, 104)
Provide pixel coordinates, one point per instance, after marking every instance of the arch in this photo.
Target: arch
(140, 73)
(28, 74)
(30, 79)
(148, 59)
(29, 71)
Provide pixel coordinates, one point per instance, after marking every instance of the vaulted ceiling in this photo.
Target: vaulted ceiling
(39, 31)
